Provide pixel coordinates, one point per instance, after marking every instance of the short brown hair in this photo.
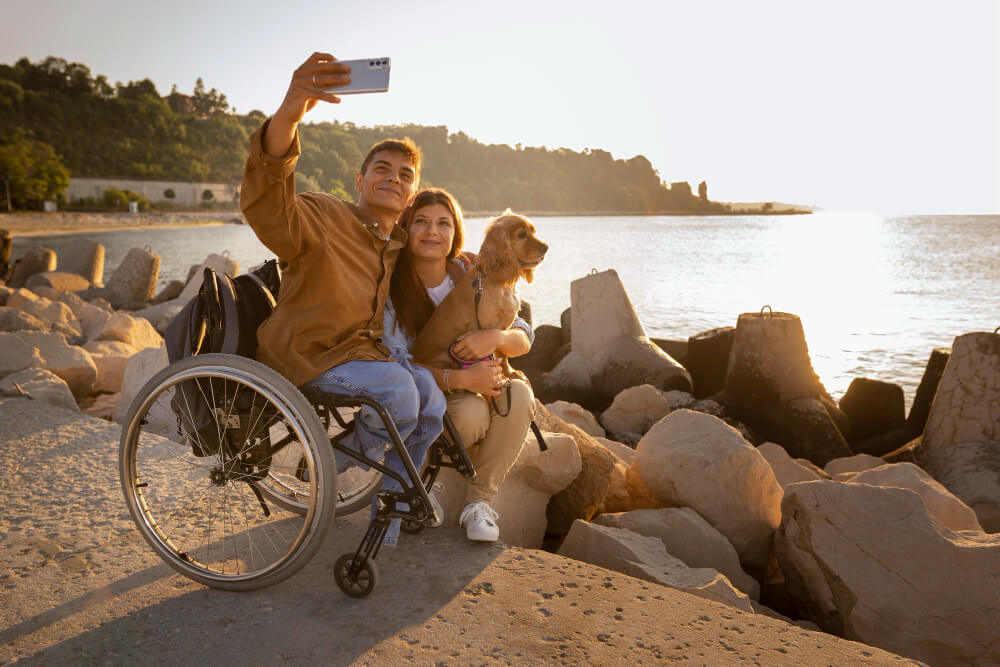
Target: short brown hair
(404, 146)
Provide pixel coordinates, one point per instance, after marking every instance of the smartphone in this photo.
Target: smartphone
(368, 75)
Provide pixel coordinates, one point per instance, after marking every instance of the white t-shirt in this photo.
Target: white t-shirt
(438, 293)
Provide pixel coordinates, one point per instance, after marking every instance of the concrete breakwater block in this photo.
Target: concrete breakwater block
(133, 283)
(772, 388)
(86, 259)
(60, 281)
(874, 407)
(36, 259)
(708, 358)
(961, 444)
(610, 350)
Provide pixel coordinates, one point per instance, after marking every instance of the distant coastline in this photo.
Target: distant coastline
(35, 223)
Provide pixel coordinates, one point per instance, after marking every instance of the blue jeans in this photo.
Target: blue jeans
(411, 397)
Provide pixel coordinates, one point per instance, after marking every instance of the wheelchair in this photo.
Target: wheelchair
(252, 510)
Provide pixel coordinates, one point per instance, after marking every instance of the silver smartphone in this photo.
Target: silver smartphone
(368, 75)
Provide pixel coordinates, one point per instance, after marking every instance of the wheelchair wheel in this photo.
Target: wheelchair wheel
(359, 583)
(196, 495)
(355, 487)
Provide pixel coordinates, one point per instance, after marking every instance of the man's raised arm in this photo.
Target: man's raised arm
(267, 196)
(320, 71)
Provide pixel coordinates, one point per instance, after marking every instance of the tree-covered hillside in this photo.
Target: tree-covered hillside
(131, 131)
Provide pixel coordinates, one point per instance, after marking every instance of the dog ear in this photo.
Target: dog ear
(496, 255)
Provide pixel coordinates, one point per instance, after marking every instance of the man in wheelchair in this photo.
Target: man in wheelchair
(325, 335)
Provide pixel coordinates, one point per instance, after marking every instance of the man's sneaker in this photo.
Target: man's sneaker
(480, 524)
(436, 506)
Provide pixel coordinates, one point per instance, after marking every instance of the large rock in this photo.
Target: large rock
(92, 320)
(19, 297)
(60, 281)
(696, 460)
(576, 414)
(522, 498)
(610, 349)
(86, 259)
(626, 490)
(636, 409)
(15, 319)
(940, 503)
(870, 564)
(708, 358)
(772, 388)
(688, 537)
(584, 496)
(786, 469)
(16, 355)
(646, 558)
(111, 358)
(73, 364)
(36, 259)
(41, 385)
(959, 445)
(140, 368)
(53, 312)
(851, 465)
(135, 331)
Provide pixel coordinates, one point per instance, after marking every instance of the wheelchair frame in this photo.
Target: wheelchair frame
(304, 415)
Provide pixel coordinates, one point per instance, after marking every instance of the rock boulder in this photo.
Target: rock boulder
(688, 537)
(522, 498)
(73, 364)
(576, 414)
(41, 385)
(646, 558)
(870, 564)
(696, 460)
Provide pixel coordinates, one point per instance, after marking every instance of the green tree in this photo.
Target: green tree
(32, 168)
(207, 196)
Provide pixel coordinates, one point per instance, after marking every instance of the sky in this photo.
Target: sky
(888, 106)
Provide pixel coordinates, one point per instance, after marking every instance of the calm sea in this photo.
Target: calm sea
(875, 295)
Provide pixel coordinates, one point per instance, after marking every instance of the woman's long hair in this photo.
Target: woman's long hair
(409, 294)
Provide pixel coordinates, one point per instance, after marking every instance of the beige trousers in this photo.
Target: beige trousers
(493, 442)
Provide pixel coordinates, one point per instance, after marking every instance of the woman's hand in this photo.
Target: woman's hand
(475, 345)
(484, 378)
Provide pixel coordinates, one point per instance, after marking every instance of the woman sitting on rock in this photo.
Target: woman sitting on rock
(427, 270)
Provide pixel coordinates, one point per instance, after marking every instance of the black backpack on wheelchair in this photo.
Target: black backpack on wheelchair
(222, 317)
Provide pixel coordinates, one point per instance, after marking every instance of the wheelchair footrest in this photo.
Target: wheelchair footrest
(401, 505)
(446, 454)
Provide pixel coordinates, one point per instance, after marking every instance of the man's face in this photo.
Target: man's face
(388, 184)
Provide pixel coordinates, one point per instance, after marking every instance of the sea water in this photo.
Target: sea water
(875, 294)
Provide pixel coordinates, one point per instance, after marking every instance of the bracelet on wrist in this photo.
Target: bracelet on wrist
(445, 382)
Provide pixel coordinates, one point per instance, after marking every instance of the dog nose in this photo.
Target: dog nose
(543, 248)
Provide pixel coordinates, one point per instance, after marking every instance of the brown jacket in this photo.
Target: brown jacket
(339, 265)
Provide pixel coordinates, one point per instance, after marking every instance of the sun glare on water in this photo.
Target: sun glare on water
(823, 272)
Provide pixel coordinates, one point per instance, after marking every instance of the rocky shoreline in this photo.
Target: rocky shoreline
(718, 466)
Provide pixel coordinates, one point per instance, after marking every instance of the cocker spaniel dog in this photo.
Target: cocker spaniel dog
(485, 298)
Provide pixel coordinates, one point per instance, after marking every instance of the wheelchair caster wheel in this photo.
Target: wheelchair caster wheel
(362, 583)
(411, 526)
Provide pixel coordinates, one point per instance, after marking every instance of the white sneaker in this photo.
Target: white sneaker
(436, 506)
(479, 520)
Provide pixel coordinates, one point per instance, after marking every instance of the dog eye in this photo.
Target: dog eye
(522, 234)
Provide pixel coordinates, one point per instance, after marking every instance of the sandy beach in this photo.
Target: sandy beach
(81, 587)
(43, 224)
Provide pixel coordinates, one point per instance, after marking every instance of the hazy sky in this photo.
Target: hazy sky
(884, 105)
